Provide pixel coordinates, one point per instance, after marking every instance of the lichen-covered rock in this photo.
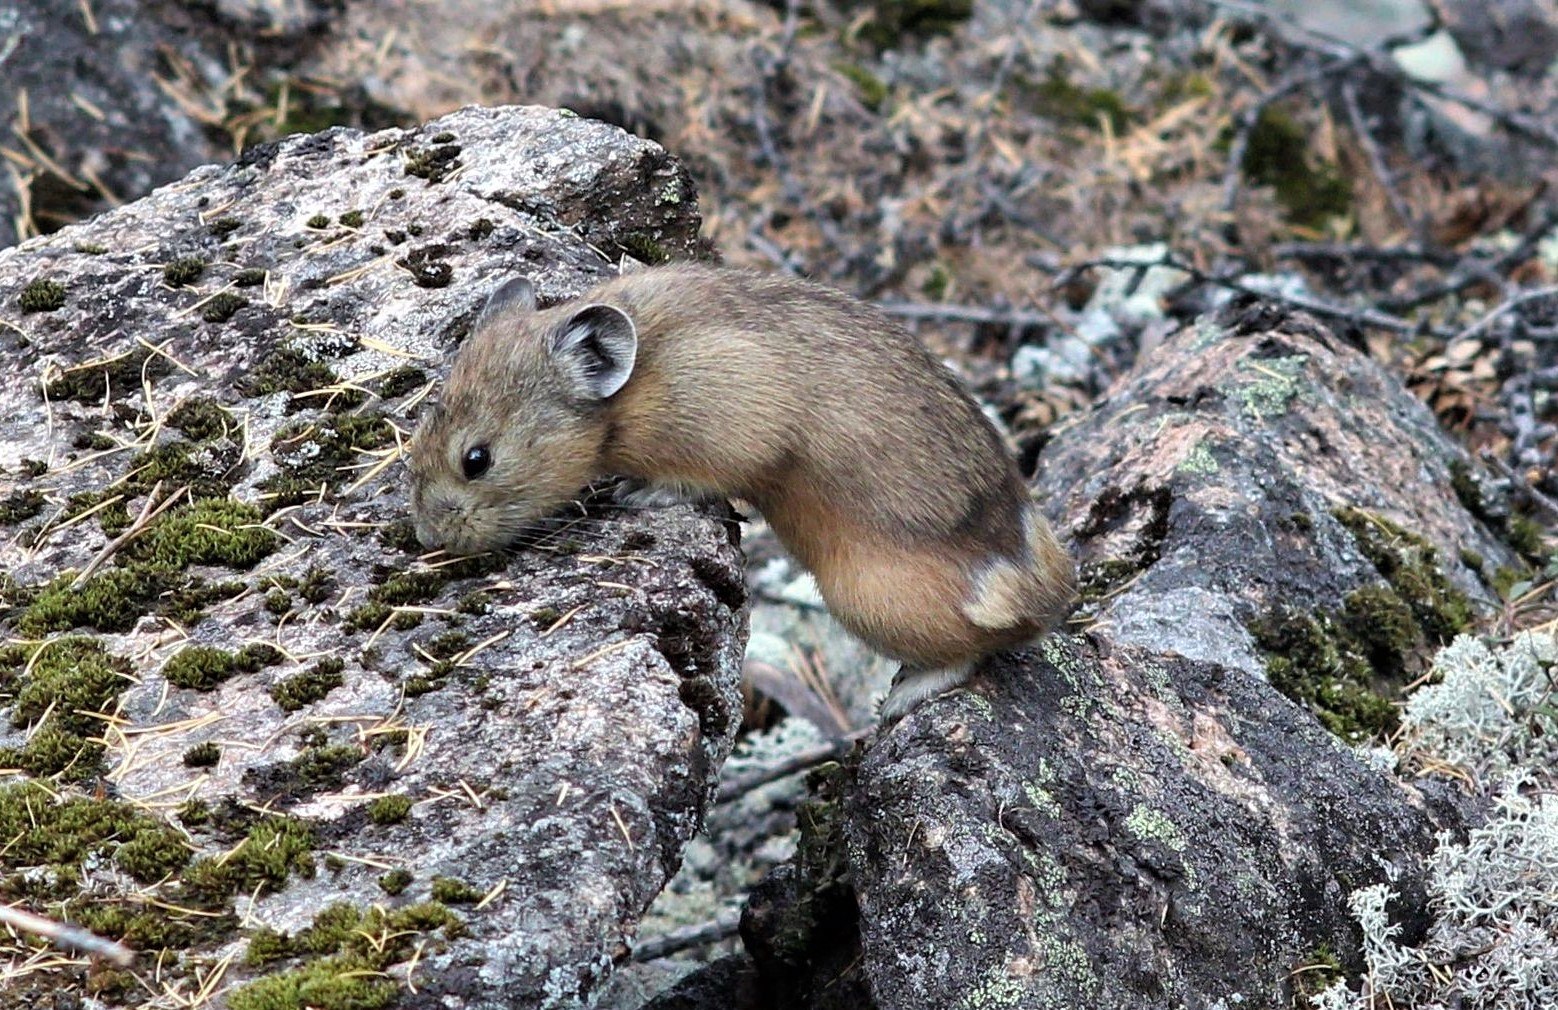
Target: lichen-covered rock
(1258, 494)
(290, 758)
(1108, 828)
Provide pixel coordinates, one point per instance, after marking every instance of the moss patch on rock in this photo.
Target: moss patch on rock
(204, 667)
(1350, 666)
(62, 689)
(347, 951)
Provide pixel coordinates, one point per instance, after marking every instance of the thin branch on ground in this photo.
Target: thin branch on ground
(1376, 156)
(725, 926)
(65, 936)
(1474, 269)
(947, 312)
(1359, 317)
(738, 786)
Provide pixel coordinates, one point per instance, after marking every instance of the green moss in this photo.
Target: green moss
(287, 369)
(447, 645)
(150, 577)
(252, 277)
(274, 848)
(183, 272)
(1410, 564)
(201, 419)
(309, 686)
(1471, 559)
(1281, 155)
(873, 91)
(316, 586)
(435, 164)
(315, 454)
(1467, 488)
(397, 194)
(146, 927)
(1527, 538)
(34, 467)
(893, 22)
(369, 616)
(400, 381)
(1381, 626)
(203, 668)
(69, 679)
(88, 383)
(351, 219)
(938, 283)
(90, 248)
(643, 247)
(319, 222)
(42, 295)
(1307, 659)
(203, 755)
(223, 227)
(474, 603)
(353, 950)
(112, 601)
(389, 809)
(21, 506)
(222, 307)
(480, 229)
(210, 532)
(278, 601)
(452, 891)
(395, 881)
(1058, 98)
(1097, 580)
(204, 470)
(543, 618)
(42, 829)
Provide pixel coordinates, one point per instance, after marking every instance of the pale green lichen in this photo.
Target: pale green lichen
(1041, 799)
(1151, 825)
(1272, 384)
(1199, 461)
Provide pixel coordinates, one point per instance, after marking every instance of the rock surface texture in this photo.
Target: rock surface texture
(1135, 816)
(295, 763)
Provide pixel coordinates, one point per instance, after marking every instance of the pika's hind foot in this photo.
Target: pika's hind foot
(912, 685)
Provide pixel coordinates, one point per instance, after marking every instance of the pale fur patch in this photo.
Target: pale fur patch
(911, 687)
(1002, 597)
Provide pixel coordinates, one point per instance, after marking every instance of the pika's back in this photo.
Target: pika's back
(829, 391)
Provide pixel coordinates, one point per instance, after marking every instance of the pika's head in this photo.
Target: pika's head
(521, 423)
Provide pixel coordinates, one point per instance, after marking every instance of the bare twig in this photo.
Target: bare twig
(1361, 317)
(701, 935)
(1371, 150)
(151, 510)
(1504, 308)
(1472, 270)
(738, 786)
(66, 936)
(949, 313)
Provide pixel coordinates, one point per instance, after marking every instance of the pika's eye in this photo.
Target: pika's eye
(476, 461)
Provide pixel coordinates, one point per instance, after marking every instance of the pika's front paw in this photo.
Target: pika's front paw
(638, 494)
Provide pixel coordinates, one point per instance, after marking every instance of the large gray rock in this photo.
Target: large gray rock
(328, 719)
(1107, 825)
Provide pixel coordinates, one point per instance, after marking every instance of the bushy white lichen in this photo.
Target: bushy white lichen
(1491, 710)
(1494, 941)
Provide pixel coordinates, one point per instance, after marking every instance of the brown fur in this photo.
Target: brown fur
(872, 465)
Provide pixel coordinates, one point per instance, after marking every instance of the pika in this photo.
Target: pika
(874, 468)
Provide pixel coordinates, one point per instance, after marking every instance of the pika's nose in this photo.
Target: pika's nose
(427, 536)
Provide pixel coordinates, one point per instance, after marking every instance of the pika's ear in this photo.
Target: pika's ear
(517, 294)
(596, 348)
